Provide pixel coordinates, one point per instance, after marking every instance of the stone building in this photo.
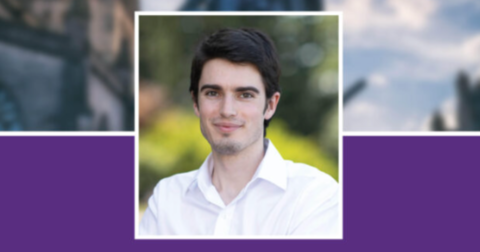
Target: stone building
(468, 115)
(66, 65)
(468, 107)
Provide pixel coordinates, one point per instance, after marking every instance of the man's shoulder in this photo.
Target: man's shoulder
(301, 170)
(306, 175)
(311, 187)
(178, 181)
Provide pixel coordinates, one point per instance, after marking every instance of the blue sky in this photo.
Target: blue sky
(409, 51)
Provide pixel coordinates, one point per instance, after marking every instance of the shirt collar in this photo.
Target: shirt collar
(271, 169)
(204, 175)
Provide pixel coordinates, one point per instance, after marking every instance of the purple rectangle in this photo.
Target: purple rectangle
(400, 194)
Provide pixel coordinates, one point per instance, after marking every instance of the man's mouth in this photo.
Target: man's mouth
(227, 127)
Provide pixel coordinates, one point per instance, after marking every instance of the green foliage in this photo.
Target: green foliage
(174, 144)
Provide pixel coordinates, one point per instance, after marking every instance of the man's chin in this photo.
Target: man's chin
(226, 147)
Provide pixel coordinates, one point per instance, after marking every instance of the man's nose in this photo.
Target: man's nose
(228, 107)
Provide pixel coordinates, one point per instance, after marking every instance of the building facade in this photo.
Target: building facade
(66, 65)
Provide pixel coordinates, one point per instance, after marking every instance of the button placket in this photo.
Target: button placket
(229, 212)
(221, 225)
(224, 220)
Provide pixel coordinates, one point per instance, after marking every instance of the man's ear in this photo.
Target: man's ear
(195, 104)
(272, 105)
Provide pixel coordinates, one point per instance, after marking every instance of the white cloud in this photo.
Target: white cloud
(363, 115)
(377, 80)
(407, 27)
(412, 14)
(366, 15)
(155, 5)
(448, 112)
(471, 49)
(411, 124)
(420, 71)
(436, 61)
(365, 109)
(463, 51)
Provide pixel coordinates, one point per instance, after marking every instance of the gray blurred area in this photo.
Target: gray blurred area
(66, 65)
(249, 5)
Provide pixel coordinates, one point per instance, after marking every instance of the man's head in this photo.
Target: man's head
(234, 84)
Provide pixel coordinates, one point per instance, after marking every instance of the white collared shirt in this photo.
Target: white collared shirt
(282, 198)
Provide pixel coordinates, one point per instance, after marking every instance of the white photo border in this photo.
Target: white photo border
(340, 118)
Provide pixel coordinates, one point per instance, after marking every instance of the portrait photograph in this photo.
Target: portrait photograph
(238, 126)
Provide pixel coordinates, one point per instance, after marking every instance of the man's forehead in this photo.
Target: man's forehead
(227, 74)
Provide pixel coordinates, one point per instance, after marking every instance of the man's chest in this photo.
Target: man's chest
(257, 214)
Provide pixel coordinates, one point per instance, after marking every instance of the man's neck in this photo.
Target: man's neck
(231, 173)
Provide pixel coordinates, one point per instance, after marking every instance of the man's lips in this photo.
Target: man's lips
(227, 127)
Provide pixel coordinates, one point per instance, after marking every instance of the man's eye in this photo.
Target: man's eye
(211, 93)
(246, 95)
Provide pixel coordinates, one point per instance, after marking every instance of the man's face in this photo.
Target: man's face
(232, 105)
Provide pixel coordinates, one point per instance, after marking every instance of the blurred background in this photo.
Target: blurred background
(305, 126)
(419, 61)
(66, 65)
(409, 65)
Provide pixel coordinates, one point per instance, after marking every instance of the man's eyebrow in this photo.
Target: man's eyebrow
(211, 86)
(243, 89)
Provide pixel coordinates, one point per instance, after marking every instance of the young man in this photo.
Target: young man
(244, 187)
